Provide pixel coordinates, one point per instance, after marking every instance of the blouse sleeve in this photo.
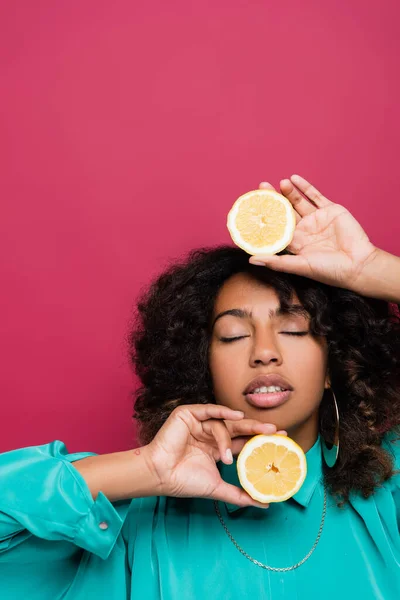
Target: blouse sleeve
(42, 494)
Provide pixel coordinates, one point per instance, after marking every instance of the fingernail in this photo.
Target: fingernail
(228, 455)
(257, 262)
(268, 427)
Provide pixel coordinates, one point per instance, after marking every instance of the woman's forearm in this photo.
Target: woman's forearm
(380, 278)
(119, 475)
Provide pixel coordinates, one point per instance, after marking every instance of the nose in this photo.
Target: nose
(265, 350)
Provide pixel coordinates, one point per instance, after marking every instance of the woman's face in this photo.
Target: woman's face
(265, 346)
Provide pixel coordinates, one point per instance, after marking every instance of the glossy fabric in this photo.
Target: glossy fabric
(54, 544)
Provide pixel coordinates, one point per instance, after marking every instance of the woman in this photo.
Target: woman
(169, 519)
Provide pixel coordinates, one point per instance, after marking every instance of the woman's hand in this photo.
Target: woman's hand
(328, 245)
(194, 438)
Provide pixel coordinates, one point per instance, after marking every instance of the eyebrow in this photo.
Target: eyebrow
(293, 309)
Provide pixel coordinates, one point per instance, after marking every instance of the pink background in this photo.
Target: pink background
(127, 131)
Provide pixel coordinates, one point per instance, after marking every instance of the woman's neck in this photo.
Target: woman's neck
(306, 434)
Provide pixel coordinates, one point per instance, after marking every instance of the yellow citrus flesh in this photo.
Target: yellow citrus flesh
(271, 468)
(262, 222)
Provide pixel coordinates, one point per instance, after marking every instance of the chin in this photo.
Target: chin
(267, 415)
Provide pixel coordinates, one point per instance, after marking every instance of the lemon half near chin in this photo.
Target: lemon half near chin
(271, 468)
(262, 222)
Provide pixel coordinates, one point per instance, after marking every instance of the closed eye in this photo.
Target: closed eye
(226, 340)
(295, 332)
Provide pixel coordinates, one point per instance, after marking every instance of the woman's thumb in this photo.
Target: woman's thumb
(235, 495)
(287, 263)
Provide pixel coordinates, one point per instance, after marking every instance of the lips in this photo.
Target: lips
(268, 399)
(266, 381)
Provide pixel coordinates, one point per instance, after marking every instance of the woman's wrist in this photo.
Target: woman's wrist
(120, 475)
(380, 277)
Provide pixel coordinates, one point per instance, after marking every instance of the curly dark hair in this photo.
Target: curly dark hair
(169, 343)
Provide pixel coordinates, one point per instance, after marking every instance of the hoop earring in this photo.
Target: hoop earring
(330, 451)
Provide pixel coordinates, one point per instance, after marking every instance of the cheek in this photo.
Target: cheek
(225, 372)
(310, 359)
(310, 367)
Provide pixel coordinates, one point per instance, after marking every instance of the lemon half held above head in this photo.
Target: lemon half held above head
(262, 222)
(271, 468)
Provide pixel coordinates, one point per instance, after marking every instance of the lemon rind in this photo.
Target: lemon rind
(271, 249)
(256, 441)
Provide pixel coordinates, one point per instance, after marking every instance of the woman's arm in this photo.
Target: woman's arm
(329, 245)
(41, 493)
(380, 277)
(59, 496)
(120, 475)
(180, 460)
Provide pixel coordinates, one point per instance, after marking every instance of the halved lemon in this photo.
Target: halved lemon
(271, 468)
(262, 222)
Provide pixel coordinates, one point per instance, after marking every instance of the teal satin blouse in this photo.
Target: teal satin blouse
(57, 543)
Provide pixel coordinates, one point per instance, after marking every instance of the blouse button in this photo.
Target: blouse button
(103, 525)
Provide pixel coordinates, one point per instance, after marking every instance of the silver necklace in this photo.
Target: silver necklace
(260, 564)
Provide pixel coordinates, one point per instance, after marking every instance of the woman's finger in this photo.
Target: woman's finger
(203, 412)
(286, 263)
(310, 191)
(236, 447)
(249, 427)
(222, 439)
(238, 443)
(226, 492)
(301, 205)
(264, 185)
